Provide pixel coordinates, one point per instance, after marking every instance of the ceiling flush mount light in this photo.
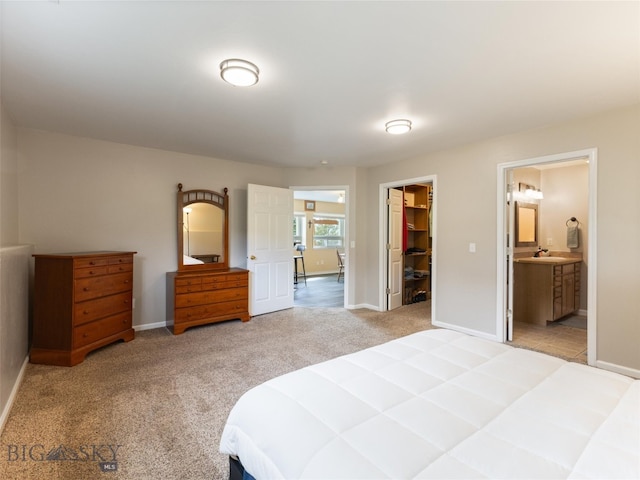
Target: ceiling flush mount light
(239, 72)
(398, 127)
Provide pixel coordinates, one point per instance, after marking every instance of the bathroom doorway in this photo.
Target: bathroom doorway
(567, 185)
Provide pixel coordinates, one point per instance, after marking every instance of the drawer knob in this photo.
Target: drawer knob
(86, 312)
(85, 289)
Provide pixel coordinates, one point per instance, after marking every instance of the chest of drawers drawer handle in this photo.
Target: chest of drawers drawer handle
(85, 289)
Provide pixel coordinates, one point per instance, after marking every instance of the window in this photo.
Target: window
(328, 231)
(298, 228)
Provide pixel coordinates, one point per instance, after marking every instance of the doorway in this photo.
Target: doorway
(421, 223)
(320, 230)
(550, 235)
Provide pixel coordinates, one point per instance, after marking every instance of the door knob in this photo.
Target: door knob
(253, 257)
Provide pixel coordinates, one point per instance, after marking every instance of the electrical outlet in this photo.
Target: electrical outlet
(549, 241)
(472, 248)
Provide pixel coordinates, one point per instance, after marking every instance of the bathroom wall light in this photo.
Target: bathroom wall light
(530, 191)
(398, 127)
(534, 193)
(239, 72)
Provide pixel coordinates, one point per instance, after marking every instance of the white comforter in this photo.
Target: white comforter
(439, 404)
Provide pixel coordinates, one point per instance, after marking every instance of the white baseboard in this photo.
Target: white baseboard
(323, 273)
(468, 331)
(612, 367)
(364, 305)
(12, 396)
(149, 326)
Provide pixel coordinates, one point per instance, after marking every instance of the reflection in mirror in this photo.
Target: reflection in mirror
(203, 230)
(526, 224)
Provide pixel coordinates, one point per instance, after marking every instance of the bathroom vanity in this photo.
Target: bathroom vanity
(545, 288)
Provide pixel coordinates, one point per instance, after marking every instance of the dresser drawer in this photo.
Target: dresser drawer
(83, 262)
(188, 282)
(94, 331)
(120, 259)
(188, 289)
(90, 271)
(100, 307)
(213, 297)
(224, 281)
(120, 268)
(95, 287)
(202, 312)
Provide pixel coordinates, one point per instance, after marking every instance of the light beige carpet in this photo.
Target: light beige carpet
(154, 408)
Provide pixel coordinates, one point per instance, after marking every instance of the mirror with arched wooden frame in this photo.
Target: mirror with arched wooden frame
(203, 230)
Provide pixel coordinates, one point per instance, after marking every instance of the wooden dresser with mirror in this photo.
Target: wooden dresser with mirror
(204, 289)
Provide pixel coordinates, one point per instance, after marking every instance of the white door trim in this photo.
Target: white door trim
(592, 155)
(382, 251)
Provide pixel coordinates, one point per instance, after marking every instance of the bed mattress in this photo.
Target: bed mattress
(439, 404)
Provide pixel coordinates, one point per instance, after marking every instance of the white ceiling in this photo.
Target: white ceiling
(332, 73)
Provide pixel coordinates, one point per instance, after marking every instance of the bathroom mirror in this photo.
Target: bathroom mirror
(526, 224)
(203, 230)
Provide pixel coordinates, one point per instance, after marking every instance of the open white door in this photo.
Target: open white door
(395, 268)
(269, 248)
(510, 206)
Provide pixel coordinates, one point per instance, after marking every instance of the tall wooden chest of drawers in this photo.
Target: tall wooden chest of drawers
(206, 297)
(81, 302)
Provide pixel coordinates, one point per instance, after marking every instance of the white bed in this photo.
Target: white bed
(439, 404)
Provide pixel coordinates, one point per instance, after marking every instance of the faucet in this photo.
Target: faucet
(540, 252)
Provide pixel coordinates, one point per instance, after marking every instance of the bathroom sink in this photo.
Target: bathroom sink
(542, 259)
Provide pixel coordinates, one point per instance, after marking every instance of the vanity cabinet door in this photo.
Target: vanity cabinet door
(566, 290)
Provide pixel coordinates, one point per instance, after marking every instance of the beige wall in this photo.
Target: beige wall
(8, 181)
(14, 272)
(466, 199)
(78, 194)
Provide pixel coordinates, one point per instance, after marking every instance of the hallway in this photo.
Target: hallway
(320, 291)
